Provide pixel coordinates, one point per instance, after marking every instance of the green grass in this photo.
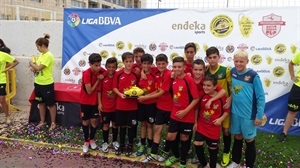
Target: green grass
(270, 153)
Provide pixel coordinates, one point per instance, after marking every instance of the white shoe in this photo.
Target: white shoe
(195, 160)
(85, 147)
(164, 156)
(104, 147)
(93, 144)
(233, 165)
(116, 145)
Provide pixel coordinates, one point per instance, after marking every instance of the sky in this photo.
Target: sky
(217, 3)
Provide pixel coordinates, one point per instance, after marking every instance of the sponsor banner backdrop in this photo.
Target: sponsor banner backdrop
(270, 35)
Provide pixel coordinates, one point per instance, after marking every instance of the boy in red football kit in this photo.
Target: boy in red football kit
(163, 105)
(137, 66)
(185, 97)
(88, 101)
(208, 122)
(107, 104)
(190, 51)
(147, 109)
(126, 114)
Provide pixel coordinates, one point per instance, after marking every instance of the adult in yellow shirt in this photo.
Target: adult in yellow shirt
(43, 82)
(4, 59)
(294, 98)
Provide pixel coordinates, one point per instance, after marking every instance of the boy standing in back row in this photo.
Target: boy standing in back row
(224, 80)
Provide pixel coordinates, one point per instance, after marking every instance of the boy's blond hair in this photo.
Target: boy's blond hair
(241, 53)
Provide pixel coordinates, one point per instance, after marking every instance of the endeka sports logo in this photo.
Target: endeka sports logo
(74, 20)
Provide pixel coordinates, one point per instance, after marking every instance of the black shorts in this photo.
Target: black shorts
(3, 90)
(89, 111)
(44, 94)
(162, 117)
(108, 117)
(294, 99)
(180, 127)
(147, 112)
(126, 118)
(213, 143)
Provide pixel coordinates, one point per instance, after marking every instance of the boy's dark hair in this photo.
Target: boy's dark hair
(211, 78)
(126, 55)
(161, 57)
(178, 59)
(5, 49)
(43, 41)
(212, 50)
(138, 50)
(147, 57)
(192, 45)
(199, 62)
(111, 60)
(95, 57)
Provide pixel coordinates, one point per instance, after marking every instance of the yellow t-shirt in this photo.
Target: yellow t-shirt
(45, 77)
(224, 78)
(4, 58)
(296, 60)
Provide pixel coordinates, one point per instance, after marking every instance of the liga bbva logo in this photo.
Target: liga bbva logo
(74, 20)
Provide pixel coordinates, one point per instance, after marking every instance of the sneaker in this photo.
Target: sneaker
(41, 124)
(93, 144)
(281, 137)
(195, 160)
(233, 165)
(120, 150)
(182, 166)
(52, 127)
(129, 150)
(171, 161)
(105, 147)
(8, 120)
(164, 156)
(225, 160)
(85, 147)
(141, 150)
(116, 145)
(149, 158)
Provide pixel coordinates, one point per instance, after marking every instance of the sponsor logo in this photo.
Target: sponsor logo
(220, 48)
(172, 47)
(285, 60)
(221, 26)
(120, 45)
(230, 48)
(253, 48)
(280, 121)
(60, 108)
(140, 46)
(197, 47)
(262, 71)
(86, 53)
(256, 59)
(242, 46)
(173, 55)
(246, 25)
(82, 63)
(222, 58)
(104, 54)
(106, 45)
(198, 28)
(152, 47)
(271, 25)
(229, 59)
(67, 71)
(76, 71)
(283, 83)
(70, 80)
(129, 45)
(280, 48)
(278, 71)
(73, 20)
(163, 46)
(101, 21)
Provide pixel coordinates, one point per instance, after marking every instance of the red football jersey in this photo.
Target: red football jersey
(163, 81)
(188, 68)
(148, 85)
(89, 77)
(108, 96)
(182, 90)
(123, 81)
(206, 116)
